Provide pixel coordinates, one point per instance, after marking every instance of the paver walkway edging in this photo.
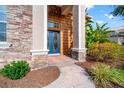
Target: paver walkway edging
(72, 76)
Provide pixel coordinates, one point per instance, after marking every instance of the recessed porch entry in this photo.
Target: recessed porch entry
(53, 42)
(41, 25)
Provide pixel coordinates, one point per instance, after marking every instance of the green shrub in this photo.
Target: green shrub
(105, 51)
(117, 76)
(15, 70)
(101, 75)
(122, 51)
(104, 76)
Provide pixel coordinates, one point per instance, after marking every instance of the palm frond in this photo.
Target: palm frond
(118, 11)
(103, 25)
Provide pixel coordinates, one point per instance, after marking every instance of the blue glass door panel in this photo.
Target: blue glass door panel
(53, 42)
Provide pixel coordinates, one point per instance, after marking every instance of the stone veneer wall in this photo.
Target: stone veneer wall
(19, 28)
(79, 55)
(19, 31)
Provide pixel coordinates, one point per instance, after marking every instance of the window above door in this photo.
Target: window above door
(53, 24)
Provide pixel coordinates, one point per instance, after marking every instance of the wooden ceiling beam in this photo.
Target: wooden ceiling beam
(66, 9)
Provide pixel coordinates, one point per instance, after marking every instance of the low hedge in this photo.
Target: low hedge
(105, 51)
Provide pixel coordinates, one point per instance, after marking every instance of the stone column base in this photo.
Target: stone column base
(79, 55)
(39, 59)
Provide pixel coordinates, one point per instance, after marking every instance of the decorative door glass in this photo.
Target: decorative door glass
(53, 42)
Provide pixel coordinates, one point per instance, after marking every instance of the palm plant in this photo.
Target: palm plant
(89, 33)
(118, 11)
(101, 33)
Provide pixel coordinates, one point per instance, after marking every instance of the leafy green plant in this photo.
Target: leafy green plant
(15, 70)
(89, 33)
(106, 51)
(104, 76)
(100, 34)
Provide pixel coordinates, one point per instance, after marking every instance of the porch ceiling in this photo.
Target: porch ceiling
(66, 9)
(60, 9)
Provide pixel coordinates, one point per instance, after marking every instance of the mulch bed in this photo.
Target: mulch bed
(34, 79)
(87, 65)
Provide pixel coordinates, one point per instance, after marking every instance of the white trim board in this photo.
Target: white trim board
(56, 54)
(39, 52)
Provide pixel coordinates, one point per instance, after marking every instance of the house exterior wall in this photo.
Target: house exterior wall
(19, 32)
(118, 35)
(117, 39)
